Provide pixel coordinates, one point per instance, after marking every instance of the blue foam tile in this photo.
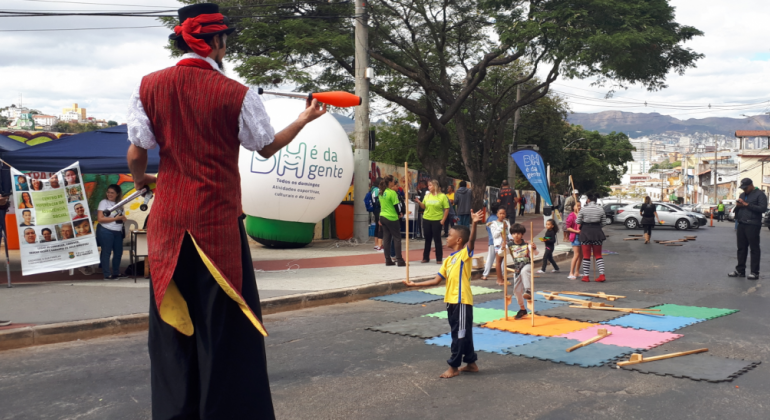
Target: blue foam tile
(410, 297)
(498, 304)
(492, 341)
(554, 349)
(663, 323)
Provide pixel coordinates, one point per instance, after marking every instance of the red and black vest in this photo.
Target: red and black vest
(194, 112)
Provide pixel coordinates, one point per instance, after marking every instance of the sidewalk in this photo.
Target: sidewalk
(326, 269)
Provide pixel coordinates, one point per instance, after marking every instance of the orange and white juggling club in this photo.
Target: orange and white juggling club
(336, 98)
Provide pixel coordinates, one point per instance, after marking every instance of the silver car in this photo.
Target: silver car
(670, 216)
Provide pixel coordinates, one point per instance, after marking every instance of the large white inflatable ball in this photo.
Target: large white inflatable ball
(285, 195)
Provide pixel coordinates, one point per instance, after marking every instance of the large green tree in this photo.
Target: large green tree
(431, 55)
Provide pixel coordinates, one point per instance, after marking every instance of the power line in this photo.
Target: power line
(100, 4)
(79, 29)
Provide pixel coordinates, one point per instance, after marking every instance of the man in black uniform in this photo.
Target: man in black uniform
(748, 213)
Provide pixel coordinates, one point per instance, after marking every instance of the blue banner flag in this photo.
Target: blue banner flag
(531, 164)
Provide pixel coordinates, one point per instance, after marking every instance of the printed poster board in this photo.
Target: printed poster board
(55, 226)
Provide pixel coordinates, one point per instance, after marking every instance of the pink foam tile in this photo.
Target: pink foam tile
(625, 337)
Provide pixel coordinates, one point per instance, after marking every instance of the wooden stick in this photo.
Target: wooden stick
(635, 236)
(631, 239)
(637, 358)
(506, 250)
(531, 272)
(610, 308)
(406, 189)
(549, 296)
(602, 333)
(599, 294)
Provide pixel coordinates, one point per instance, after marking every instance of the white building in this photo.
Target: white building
(13, 112)
(45, 120)
(70, 116)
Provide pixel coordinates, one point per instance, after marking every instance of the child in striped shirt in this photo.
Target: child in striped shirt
(519, 249)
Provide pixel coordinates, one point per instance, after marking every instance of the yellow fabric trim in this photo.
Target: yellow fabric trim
(229, 290)
(174, 312)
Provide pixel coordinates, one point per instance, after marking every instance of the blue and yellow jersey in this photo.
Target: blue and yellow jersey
(456, 270)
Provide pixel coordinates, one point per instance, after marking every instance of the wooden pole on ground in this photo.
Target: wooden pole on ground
(638, 358)
(406, 193)
(532, 272)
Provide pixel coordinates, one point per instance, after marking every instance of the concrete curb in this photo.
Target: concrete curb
(92, 328)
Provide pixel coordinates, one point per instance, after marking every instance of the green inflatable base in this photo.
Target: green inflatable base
(278, 233)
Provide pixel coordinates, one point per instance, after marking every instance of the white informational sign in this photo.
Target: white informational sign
(304, 181)
(55, 227)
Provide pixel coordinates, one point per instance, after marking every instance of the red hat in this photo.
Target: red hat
(198, 23)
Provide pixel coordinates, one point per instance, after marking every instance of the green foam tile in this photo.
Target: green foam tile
(480, 315)
(693, 311)
(475, 290)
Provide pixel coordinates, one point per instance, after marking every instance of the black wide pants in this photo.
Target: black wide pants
(461, 325)
(748, 238)
(433, 234)
(220, 372)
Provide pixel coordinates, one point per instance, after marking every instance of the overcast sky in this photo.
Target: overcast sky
(98, 69)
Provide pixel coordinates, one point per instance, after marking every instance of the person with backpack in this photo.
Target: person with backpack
(390, 212)
(522, 204)
(372, 201)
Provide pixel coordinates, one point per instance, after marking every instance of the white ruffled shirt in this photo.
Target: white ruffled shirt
(254, 129)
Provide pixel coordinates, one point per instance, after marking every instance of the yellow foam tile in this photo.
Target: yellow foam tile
(544, 325)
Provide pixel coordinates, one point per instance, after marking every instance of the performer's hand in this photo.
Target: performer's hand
(476, 217)
(144, 181)
(312, 111)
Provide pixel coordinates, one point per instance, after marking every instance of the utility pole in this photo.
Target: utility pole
(512, 149)
(716, 181)
(361, 153)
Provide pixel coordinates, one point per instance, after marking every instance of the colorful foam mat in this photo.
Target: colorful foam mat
(554, 349)
(596, 315)
(410, 297)
(475, 290)
(544, 325)
(498, 304)
(492, 341)
(693, 311)
(664, 323)
(423, 327)
(698, 367)
(480, 315)
(624, 337)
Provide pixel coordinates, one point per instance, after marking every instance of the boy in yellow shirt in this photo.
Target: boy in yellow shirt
(456, 269)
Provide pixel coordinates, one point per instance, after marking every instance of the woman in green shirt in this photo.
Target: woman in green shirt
(391, 229)
(436, 206)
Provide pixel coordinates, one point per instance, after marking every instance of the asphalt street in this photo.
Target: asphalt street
(324, 364)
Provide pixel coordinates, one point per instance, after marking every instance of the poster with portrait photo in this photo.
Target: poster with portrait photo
(27, 218)
(78, 210)
(71, 177)
(58, 241)
(75, 194)
(20, 183)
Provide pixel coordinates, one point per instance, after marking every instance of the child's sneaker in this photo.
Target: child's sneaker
(600, 278)
(527, 295)
(586, 279)
(539, 272)
(521, 314)
(554, 271)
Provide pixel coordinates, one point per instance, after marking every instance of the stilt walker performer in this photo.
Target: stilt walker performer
(206, 339)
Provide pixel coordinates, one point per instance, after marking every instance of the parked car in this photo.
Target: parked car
(765, 219)
(610, 210)
(669, 214)
(702, 220)
(730, 215)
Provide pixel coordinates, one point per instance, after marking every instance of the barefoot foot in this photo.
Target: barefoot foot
(470, 367)
(450, 373)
